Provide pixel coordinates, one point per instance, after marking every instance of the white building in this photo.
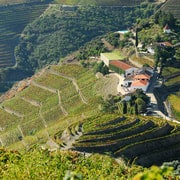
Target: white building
(141, 81)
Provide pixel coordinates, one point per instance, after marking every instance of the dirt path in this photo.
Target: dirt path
(107, 44)
(60, 104)
(74, 83)
(32, 102)
(12, 112)
(44, 87)
(41, 116)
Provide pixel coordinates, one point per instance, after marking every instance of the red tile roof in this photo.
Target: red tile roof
(166, 43)
(139, 83)
(120, 64)
(141, 76)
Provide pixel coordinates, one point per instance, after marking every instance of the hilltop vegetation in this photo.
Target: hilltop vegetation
(38, 164)
(13, 26)
(12, 2)
(60, 31)
(101, 2)
(172, 6)
(174, 100)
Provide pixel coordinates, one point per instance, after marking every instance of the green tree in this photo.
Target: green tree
(141, 105)
(101, 67)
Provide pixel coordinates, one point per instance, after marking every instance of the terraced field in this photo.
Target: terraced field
(52, 96)
(140, 140)
(13, 19)
(101, 2)
(173, 6)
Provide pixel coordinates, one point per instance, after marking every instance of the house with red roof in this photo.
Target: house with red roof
(141, 81)
(166, 44)
(122, 68)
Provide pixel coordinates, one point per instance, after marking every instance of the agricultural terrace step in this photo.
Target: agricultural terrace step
(114, 129)
(143, 147)
(113, 146)
(158, 157)
(11, 137)
(115, 121)
(29, 128)
(44, 87)
(123, 134)
(110, 126)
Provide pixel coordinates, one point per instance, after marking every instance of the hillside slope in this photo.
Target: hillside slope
(172, 6)
(60, 31)
(13, 19)
(139, 140)
(58, 95)
(12, 2)
(101, 2)
(66, 96)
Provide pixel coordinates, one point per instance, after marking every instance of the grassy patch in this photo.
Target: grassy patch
(175, 102)
(167, 71)
(142, 60)
(53, 81)
(7, 120)
(173, 81)
(115, 55)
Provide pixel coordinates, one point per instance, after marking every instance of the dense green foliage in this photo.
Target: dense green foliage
(110, 105)
(175, 165)
(11, 2)
(12, 24)
(101, 2)
(91, 49)
(102, 68)
(163, 18)
(38, 48)
(42, 164)
(59, 32)
(136, 105)
(156, 173)
(172, 6)
(39, 164)
(13, 19)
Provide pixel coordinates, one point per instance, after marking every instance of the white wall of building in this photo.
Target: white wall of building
(131, 71)
(144, 88)
(104, 59)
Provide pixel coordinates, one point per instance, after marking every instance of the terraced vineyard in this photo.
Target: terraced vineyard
(173, 6)
(101, 2)
(144, 141)
(13, 19)
(53, 96)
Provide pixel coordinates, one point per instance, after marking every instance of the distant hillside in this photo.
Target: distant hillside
(62, 30)
(101, 2)
(13, 19)
(11, 2)
(172, 6)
